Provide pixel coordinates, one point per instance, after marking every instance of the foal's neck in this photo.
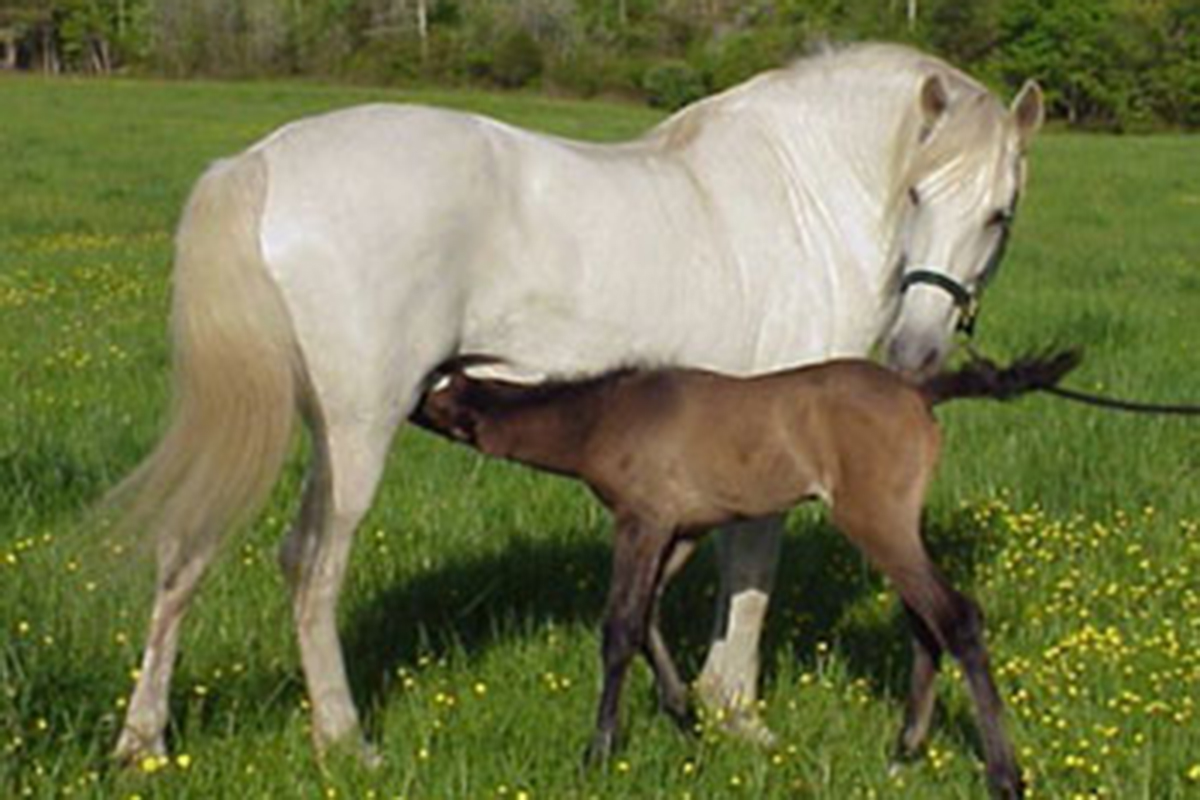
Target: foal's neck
(549, 433)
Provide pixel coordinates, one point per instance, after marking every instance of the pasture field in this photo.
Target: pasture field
(471, 608)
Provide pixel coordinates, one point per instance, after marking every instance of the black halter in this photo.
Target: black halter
(965, 300)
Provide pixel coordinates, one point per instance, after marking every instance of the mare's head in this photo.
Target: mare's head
(956, 199)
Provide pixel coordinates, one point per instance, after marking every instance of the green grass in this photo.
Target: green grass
(470, 613)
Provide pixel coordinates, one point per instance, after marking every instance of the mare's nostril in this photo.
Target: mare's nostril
(930, 362)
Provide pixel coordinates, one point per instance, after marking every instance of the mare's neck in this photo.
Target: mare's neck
(840, 140)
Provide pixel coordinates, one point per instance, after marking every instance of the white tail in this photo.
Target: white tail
(235, 376)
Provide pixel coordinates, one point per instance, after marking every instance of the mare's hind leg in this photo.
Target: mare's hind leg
(339, 489)
(638, 554)
(890, 537)
(146, 718)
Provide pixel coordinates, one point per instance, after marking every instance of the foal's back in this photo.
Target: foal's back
(693, 449)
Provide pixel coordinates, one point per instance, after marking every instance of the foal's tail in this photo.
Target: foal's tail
(981, 377)
(236, 365)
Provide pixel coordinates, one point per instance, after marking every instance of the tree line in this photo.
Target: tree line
(1111, 64)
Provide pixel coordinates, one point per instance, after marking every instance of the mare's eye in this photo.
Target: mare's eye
(914, 196)
(999, 218)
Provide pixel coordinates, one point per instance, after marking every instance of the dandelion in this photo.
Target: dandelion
(152, 764)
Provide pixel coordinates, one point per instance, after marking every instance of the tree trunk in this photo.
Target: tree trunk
(50, 64)
(423, 28)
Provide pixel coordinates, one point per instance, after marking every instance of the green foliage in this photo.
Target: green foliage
(1112, 64)
(518, 60)
(672, 84)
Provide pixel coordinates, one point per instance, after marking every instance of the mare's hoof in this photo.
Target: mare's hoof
(732, 717)
(351, 747)
(745, 725)
(133, 748)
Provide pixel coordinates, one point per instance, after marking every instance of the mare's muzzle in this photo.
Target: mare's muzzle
(965, 301)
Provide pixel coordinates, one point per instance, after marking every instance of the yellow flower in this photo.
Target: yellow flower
(152, 764)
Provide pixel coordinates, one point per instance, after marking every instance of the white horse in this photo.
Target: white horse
(800, 216)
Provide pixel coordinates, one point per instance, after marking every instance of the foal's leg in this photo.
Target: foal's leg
(146, 718)
(962, 629)
(338, 492)
(672, 692)
(638, 555)
(890, 536)
(918, 713)
(748, 554)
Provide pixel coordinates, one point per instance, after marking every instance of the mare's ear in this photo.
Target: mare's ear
(1029, 111)
(933, 100)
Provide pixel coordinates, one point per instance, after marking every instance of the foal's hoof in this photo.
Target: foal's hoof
(901, 756)
(686, 720)
(1006, 784)
(599, 750)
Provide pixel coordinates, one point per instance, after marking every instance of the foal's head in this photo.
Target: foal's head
(540, 424)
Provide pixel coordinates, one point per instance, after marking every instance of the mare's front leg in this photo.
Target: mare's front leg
(639, 551)
(748, 555)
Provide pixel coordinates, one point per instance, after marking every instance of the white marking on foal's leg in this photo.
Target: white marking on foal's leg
(748, 554)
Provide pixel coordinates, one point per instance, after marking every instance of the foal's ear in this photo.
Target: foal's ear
(934, 100)
(1029, 111)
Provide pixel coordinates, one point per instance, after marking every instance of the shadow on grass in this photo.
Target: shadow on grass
(823, 585)
(472, 605)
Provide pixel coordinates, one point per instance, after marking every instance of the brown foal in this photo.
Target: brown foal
(674, 452)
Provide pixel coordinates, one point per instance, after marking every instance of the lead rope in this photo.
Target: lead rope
(1112, 403)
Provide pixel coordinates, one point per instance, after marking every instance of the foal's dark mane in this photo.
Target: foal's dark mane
(978, 377)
